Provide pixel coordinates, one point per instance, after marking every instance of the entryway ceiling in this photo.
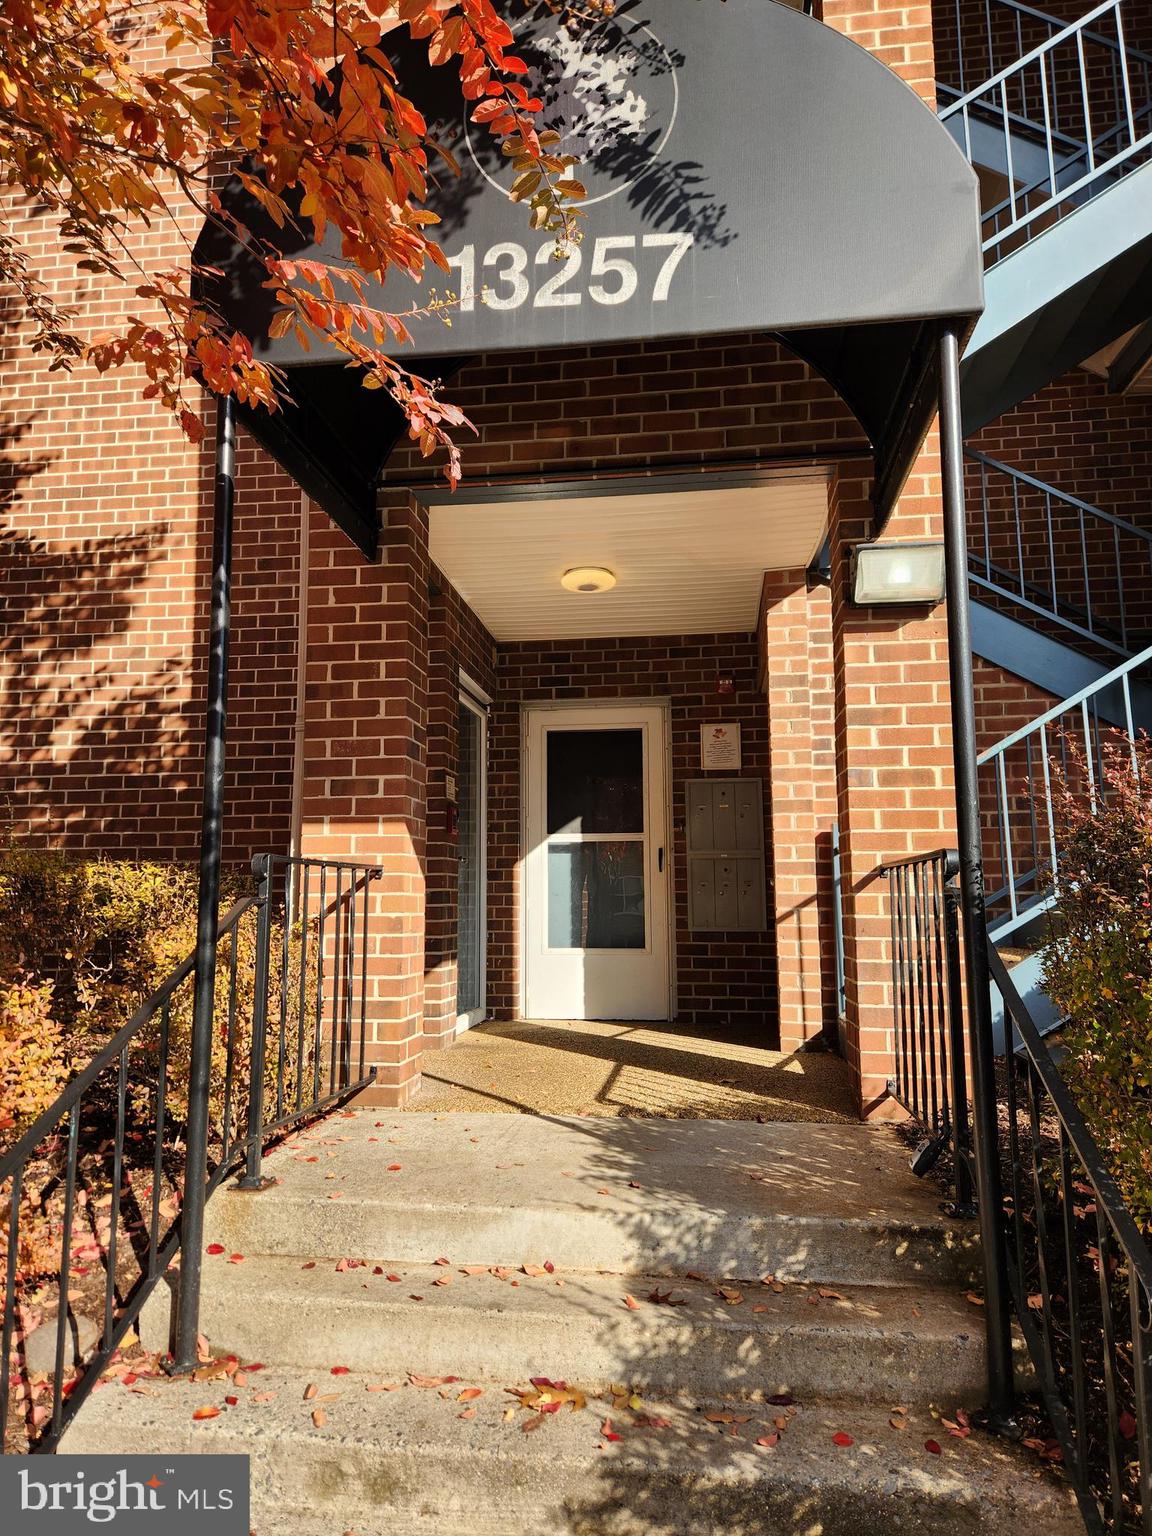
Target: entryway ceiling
(685, 561)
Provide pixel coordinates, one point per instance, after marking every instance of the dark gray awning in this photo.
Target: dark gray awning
(748, 169)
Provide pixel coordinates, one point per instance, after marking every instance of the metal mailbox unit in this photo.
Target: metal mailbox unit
(725, 832)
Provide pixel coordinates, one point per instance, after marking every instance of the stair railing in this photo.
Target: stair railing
(90, 1194)
(1018, 805)
(1010, 30)
(1082, 82)
(928, 1009)
(1058, 556)
(1080, 1277)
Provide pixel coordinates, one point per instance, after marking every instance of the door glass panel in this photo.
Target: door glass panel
(596, 781)
(596, 894)
(470, 887)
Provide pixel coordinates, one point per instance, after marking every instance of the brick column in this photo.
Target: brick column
(796, 659)
(365, 772)
(895, 787)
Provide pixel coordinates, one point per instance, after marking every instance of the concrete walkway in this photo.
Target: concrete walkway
(643, 1070)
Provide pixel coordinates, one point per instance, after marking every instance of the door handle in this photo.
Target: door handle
(660, 860)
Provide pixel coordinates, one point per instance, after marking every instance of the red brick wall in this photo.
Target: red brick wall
(732, 398)
(797, 676)
(720, 978)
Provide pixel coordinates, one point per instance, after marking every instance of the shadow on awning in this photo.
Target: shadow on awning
(748, 169)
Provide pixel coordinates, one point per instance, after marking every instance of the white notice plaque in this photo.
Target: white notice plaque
(720, 746)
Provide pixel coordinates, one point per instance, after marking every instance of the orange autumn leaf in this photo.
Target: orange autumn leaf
(206, 1411)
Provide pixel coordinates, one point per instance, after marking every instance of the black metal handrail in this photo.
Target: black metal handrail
(113, 1137)
(1080, 1274)
(930, 1080)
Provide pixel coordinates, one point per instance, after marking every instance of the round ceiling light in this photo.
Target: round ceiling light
(588, 578)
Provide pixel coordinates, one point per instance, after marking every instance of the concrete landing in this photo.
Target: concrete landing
(596, 1067)
(406, 1463)
(833, 1203)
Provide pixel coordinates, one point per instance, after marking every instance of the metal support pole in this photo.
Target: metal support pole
(208, 899)
(985, 1137)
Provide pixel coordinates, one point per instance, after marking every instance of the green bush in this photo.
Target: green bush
(1098, 967)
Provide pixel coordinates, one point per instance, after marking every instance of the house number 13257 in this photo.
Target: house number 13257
(509, 276)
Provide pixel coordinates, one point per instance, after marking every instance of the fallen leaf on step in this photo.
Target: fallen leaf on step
(533, 1423)
(395, 1167)
(468, 1413)
(231, 1401)
(474, 1269)
(898, 1421)
(971, 1296)
(692, 1275)
(443, 1263)
(533, 1270)
(310, 1391)
(631, 1303)
(236, 1258)
(830, 1295)
(431, 1381)
(933, 1447)
(207, 1411)
(840, 1438)
(730, 1295)
(394, 1278)
(666, 1299)
(319, 1418)
(263, 1397)
(1126, 1424)
(383, 1386)
(340, 1370)
(469, 1394)
(769, 1440)
(760, 1307)
(311, 1264)
(607, 1431)
(240, 1379)
(214, 1249)
(443, 1280)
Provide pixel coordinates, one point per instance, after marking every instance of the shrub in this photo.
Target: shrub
(1098, 967)
(83, 943)
(33, 1060)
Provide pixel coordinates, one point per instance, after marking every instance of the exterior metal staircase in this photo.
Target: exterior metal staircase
(1057, 120)
(1062, 596)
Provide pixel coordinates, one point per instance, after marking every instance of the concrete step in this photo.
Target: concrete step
(868, 1342)
(831, 1203)
(405, 1461)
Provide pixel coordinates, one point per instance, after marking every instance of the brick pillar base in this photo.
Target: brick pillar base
(894, 777)
(365, 774)
(796, 640)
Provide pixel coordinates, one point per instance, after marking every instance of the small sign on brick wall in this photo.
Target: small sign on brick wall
(720, 746)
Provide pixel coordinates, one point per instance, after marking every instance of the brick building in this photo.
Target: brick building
(532, 757)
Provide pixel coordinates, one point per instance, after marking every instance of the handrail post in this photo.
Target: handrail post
(184, 1358)
(965, 1204)
(251, 1177)
(986, 1141)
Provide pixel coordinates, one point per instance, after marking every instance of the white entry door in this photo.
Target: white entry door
(596, 877)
